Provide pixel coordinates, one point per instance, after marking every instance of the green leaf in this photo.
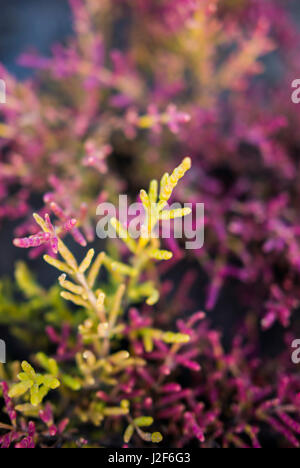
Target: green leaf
(128, 434)
(28, 370)
(23, 377)
(34, 395)
(143, 421)
(71, 382)
(48, 364)
(43, 391)
(171, 338)
(50, 382)
(26, 281)
(19, 389)
(156, 437)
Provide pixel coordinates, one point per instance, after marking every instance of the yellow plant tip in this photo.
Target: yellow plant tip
(62, 278)
(90, 358)
(145, 199)
(128, 434)
(144, 421)
(161, 254)
(74, 288)
(120, 356)
(77, 300)
(161, 205)
(145, 122)
(28, 410)
(169, 182)
(67, 255)
(148, 343)
(22, 376)
(34, 396)
(118, 267)
(187, 163)
(153, 299)
(47, 363)
(164, 180)
(156, 437)
(116, 305)
(163, 183)
(173, 214)
(175, 338)
(55, 384)
(115, 411)
(180, 171)
(26, 281)
(51, 382)
(187, 211)
(125, 403)
(28, 369)
(153, 191)
(71, 382)
(86, 263)
(123, 269)
(19, 389)
(58, 264)
(123, 234)
(94, 271)
(40, 222)
(100, 301)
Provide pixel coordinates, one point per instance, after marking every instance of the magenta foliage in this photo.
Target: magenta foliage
(8, 404)
(171, 91)
(65, 350)
(23, 435)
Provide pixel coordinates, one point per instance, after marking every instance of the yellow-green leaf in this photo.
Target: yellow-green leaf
(19, 389)
(144, 421)
(28, 369)
(156, 437)
(128, 434)
(71, 382)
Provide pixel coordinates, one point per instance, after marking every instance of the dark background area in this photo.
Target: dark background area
(31, 23)
(27, 25)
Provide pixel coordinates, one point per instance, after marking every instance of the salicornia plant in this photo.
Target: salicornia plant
(107, 358)
(108, 110)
